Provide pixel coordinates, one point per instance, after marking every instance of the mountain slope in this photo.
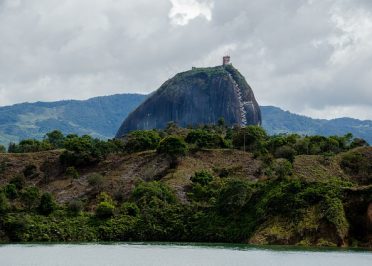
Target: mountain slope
(99, 117)
(276, 121)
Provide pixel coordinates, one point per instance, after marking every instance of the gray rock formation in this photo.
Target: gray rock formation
(198, 96)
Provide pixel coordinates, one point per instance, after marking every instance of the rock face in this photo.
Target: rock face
(198, 96)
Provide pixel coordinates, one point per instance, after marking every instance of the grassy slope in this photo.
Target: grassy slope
(122, 172)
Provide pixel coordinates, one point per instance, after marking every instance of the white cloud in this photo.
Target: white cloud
(311, 57)
(183, 11)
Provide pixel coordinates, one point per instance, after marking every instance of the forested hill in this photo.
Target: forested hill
(99, 117)
(276, 121)
(102, 116)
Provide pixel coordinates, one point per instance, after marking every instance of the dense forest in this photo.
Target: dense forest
(210, 183)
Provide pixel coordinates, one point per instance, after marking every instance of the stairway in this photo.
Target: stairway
(243, 112)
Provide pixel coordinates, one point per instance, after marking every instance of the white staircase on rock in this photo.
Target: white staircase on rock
(243, 112)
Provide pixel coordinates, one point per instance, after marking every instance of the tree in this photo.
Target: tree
(55, 138)
(146, 192)
(106, 207)
(235, 194)
(251, 138)
(10, 191)
(202, 178)
(172, 146)
(286, 152)
(72, 172)
(205, 139)
(105, 210)
(95, 180)
(358, 142)
(130, 209)
(47, 204)
(30, 171)
(19, 181)
(4, 204)
(2, 149)
(30, 197)
(141, 140)
(83, 151)
(283, 168)
(75, 207)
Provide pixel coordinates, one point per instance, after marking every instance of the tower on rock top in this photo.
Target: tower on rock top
(225, 60)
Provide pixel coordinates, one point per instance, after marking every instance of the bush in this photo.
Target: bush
(55, 138)
(75, 207)
(172, 146)
(47, 204)
(4, 204)
(95, 180)
(252, 138)
(205, 139)
(130, 208)
(202, 177)
(10, 191)
(2, 149)
(286, 152)
(30, 171)
(29, 145)
(283, 168)
(84, 151)
(105, 210)
(72, 172)
(19, 181)
(30, 197)
(141, 140)
(148, 191)
(234, 195)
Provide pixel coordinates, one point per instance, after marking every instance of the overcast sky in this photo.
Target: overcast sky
(312, 57)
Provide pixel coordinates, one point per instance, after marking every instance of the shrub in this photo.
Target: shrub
(10, 191)
(4, 204)
(47, 204)
(172, 146)
(141, 140)
(55, 138)
(19, 181)
(72, 172)
(148, 191)
(251, 138)
(2, 149)
(282, 168)
(95, 180)
(130, 208)
(286, 152)
(202, 177)
(357, 142)
(205, 139)
(75, 207)
(105, 210)
(30, 197)
(234, 195)
(30, 171)
(83, 151)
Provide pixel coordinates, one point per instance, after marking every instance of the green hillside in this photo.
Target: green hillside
(99, 117)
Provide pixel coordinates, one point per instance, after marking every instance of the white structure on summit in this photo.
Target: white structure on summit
(225, 60)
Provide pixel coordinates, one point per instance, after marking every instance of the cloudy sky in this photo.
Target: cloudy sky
(312, 57)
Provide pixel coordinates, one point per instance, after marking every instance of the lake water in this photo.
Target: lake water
(173, 254)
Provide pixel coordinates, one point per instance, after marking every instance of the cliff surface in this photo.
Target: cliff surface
(198, 96)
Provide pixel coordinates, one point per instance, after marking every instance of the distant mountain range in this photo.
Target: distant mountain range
(101, 117)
